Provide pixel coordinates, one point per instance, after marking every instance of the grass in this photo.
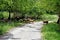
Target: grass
(51, 31)
(6, 26)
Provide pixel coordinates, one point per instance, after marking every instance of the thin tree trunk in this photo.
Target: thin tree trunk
(9, 16)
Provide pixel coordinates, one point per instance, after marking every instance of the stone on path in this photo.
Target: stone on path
(27, 32)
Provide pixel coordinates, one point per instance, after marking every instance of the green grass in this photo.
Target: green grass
(6, 26)
(51, 31)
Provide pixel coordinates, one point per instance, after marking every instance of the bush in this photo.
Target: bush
(4, 14)
(49, 17)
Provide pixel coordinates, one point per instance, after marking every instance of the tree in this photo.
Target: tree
(9, 9)
(51, 6)
(6, 5)
(23, 6)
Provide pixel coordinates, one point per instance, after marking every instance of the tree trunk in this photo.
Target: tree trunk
(58, 22)
(9, 16)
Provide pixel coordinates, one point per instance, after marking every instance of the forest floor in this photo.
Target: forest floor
(30, 31)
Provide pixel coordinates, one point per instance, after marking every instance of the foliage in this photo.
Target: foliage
(26, 7)
(32, 8)
(49, 17)
(50, 5)
(51, 31)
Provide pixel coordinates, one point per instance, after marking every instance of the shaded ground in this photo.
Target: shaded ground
(30, 31)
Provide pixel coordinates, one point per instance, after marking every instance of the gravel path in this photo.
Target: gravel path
(27, 32)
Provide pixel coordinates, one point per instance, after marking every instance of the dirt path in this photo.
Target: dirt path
(27, 32)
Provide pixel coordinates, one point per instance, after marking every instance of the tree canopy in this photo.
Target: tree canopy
(32, 8)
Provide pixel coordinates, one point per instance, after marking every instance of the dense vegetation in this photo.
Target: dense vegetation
(29, 8)
(51, 31)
